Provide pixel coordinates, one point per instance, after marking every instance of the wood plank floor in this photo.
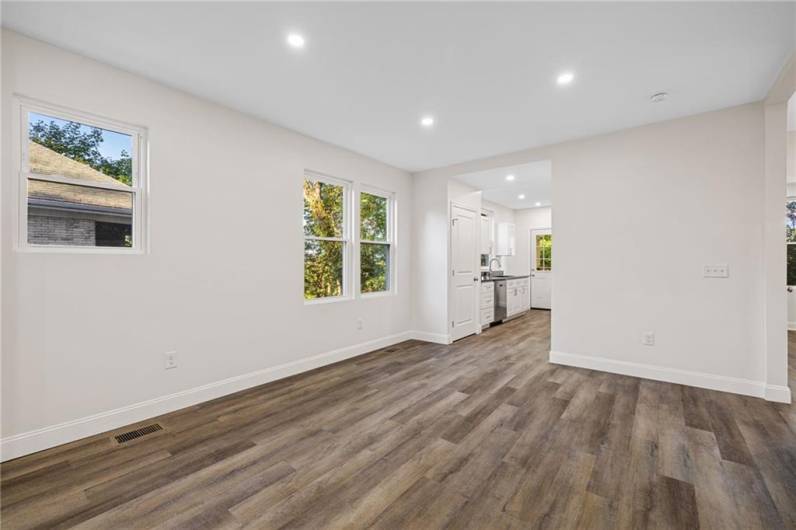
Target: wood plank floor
(484, 433)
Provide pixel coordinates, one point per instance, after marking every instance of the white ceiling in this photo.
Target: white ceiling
(534, 180)
(486, 71)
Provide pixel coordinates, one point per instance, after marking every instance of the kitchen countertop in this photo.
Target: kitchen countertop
(507, 277)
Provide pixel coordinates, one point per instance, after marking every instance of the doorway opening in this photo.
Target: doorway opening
(510, 268)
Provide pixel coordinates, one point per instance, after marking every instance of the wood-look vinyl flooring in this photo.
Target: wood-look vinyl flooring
(484, 434)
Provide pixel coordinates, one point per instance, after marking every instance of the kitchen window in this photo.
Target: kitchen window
(327, 238)
(82, 182)
(375, 241)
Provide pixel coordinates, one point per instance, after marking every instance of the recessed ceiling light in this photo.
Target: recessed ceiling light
(565, 78)
(538, 204)
(521, 196)
(509, 177)
(660, 96)
(295, 40)
(427, 121)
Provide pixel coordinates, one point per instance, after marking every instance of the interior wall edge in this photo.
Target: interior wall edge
(426, 336)
(735, 385)
(46, 437)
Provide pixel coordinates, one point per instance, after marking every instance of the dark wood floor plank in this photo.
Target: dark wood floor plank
(483, 433)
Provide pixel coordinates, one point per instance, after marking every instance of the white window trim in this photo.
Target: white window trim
(391, 240)
(140, 171)
(347, 240)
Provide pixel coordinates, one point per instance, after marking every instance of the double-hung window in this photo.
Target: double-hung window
(327, 237)
(375, 241)
(333, 249)
(82, 181)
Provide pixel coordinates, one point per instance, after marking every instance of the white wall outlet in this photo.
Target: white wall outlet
(648, 338)
(360, 323)
(170, 360)
(716, 271)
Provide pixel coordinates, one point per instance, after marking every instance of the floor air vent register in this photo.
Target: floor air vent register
(138, 433)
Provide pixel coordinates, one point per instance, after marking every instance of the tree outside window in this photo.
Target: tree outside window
(374, 248)
(324, 239)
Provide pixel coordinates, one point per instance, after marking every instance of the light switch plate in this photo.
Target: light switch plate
(716, 271)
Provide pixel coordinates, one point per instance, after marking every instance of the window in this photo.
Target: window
(326, 237)
(332, 248)
(544, 252)
(375, 244)
(82, 182)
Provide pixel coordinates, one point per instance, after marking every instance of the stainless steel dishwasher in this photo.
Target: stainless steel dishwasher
(500, 300)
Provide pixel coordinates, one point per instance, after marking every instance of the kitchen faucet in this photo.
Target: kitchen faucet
(490, 263)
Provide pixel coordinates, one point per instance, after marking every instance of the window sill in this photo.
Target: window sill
(380, 294)
(332, 300)
(31, 249)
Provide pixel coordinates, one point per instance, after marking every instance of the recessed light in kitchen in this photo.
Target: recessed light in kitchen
(295, 40)
(521, 196)
(538, 204)
(565, 78)
(427, 121)
(510, 177)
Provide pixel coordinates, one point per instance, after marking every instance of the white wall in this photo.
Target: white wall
(637, 215)
(527, 220)
(222, 284)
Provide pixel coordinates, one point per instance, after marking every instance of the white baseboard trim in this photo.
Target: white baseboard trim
(791, 326)
(51, 436)
(746, 387)
(778, 393)
(437, 338)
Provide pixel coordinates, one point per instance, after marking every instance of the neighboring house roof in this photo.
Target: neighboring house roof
(45, 161)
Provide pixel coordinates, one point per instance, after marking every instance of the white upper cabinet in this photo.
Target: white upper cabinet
(486, 235)
(505, 240)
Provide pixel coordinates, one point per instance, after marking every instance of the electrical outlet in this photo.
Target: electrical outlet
(648, 338)
(716, 271)
(170, 360)
(360, 323)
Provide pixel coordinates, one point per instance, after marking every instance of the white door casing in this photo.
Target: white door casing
(541, 273)
(464, 314)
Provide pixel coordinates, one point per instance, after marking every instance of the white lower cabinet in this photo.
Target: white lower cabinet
(518, 296)
(487, 303)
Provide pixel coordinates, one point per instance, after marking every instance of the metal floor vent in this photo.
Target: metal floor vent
(138, 433)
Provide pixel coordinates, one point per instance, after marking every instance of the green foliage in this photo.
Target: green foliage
(544, 252)
(373, 217)
(374, 261)
(73, 142)
(790, 222)
(323, 260)
(374, 258)
(790, 237)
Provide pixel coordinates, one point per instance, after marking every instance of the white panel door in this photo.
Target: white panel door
(541, 268)
(464, 272)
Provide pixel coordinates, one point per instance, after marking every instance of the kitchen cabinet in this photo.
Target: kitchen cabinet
(518, 296)
(486, 235)
(487, 307)
(505, 244)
